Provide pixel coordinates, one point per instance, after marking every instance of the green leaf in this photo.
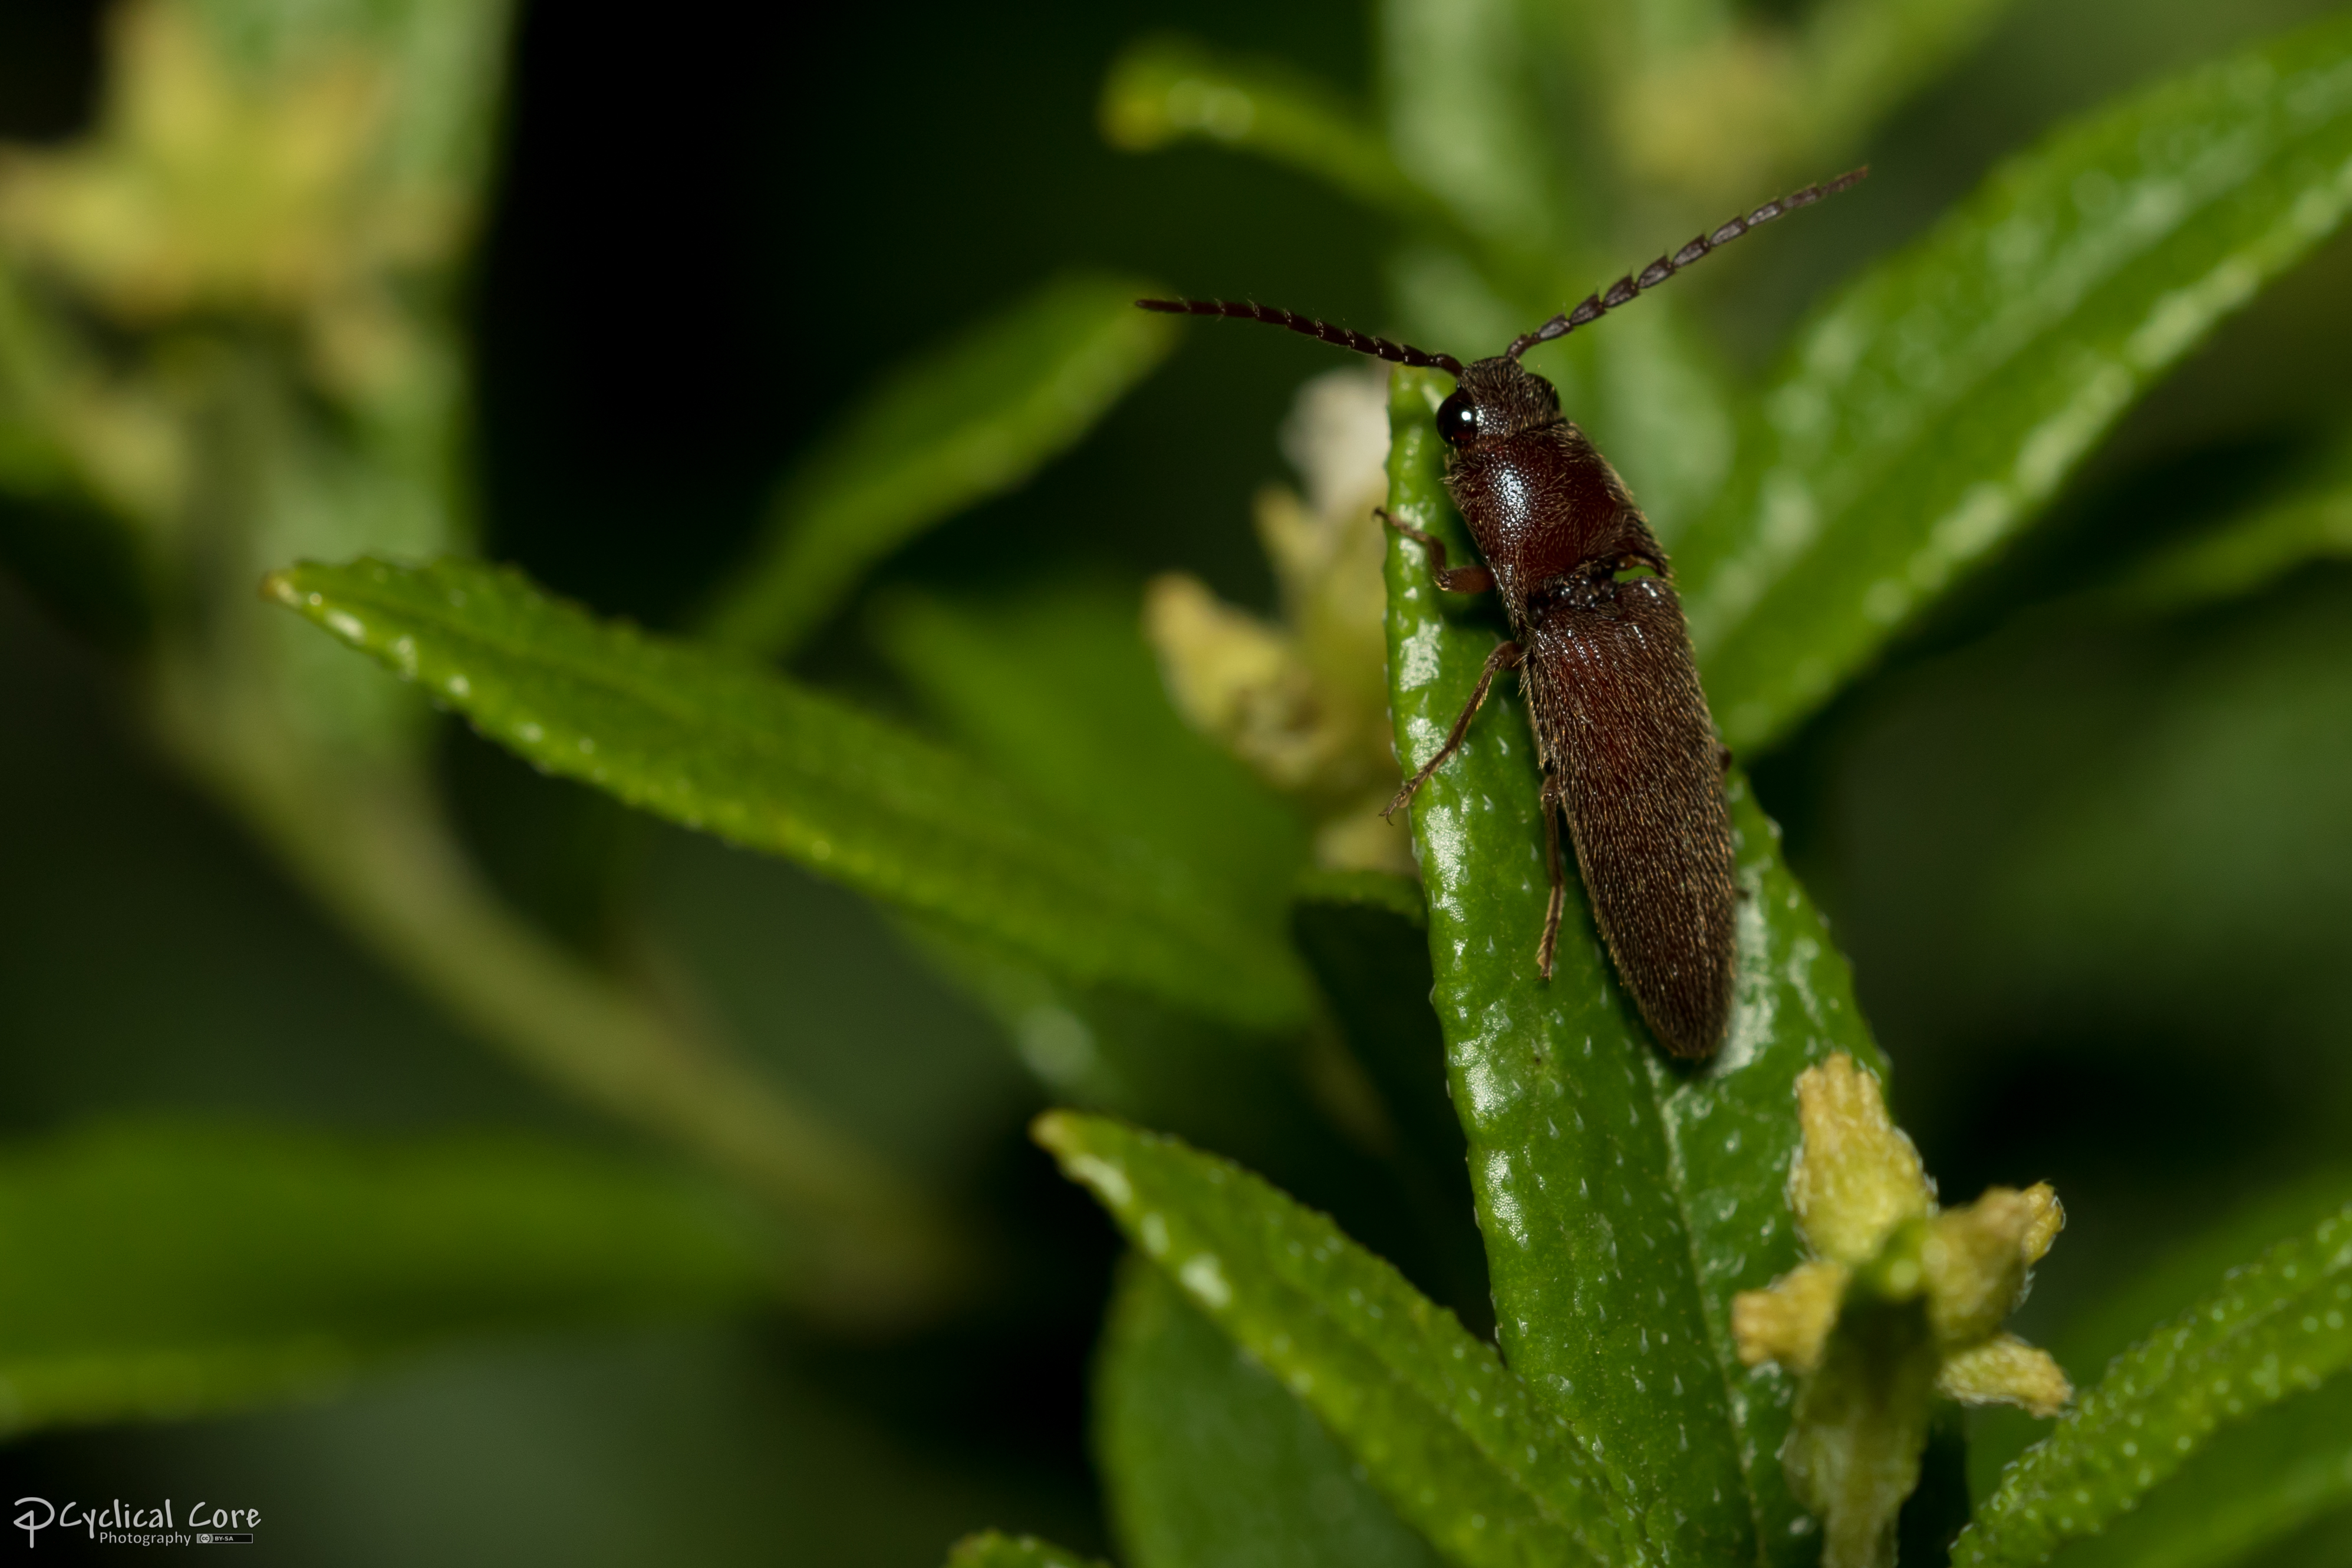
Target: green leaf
(1625, 1198)
(2253, 1485)
(1365, 935)
(1463, 1449)
(32, 460)
(712, 741)
(2279, 1327)
(1382, 890)
(970, 420)
(1054, 688)
(1166, 90)
(1466, 123)
(57, 533)
(1208, 1459)
(161, 1269)
(1860, 58)
(1628, 36)
(1935, 408)
(2248, 552)
(2120, 1317)
(2257, 1480)
(992, 1549)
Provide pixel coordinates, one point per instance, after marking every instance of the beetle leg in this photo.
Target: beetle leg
(1505, 656)
(1459, 580)
(1551, 943)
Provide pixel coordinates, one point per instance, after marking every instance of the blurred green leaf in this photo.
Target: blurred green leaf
(1935, 408)
(1465, 1451)
(56, 533)
(161, 1270)
(712, 741)
(1384, 890)
(446, 59)
(1208, 1459)
(992, 1549)
(1249, 1096)
(1165, 91)
(2113, 1321)
(1643, 34)
(1858, 60)
(32, 460)
(2255, 1482)
(1054, 688)
(968, 421)
(1659, 404)
(2279, 1327)
(1625, 1198)
(2247, 552)
(1465, 122)
(1370, 956)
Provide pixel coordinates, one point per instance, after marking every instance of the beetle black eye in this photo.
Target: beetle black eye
(1457, 420)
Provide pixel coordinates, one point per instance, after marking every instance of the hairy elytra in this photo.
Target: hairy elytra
(1628, 749)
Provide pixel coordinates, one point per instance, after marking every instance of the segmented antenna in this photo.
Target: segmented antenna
(1321, 331)
(1666, 267)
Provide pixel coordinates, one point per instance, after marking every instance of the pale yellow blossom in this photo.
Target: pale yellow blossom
(1302, 700)
(1900, 1301)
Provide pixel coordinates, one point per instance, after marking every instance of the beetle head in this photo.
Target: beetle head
(1494, 400)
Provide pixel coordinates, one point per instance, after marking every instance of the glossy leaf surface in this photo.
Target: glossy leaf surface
(1625, 1198)
(713, 742)
(1465, 1451)
(292, 1258)
(969, 421)
(1936, 407)
(1208, 1459)
(2279, 1328)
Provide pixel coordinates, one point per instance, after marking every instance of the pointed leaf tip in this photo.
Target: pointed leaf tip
(715, 742)
(1937, 408)
(1464, 1450)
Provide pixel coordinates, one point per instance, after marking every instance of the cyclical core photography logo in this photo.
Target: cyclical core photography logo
(119, 1523)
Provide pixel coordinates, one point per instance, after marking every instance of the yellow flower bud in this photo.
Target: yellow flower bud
(1857, 1177)
(1789, 1322)
(2005, 1370)
(1900, 1303)
(1973, 1261)
(2049, 1219)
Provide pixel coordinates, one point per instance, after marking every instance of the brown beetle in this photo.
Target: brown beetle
(1628, 752)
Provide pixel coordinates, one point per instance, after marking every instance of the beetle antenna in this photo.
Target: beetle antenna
(1321, 331)
(1666, 267)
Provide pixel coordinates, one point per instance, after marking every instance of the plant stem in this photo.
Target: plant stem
(868, 1247)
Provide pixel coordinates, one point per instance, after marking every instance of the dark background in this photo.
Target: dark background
(2095, 874)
